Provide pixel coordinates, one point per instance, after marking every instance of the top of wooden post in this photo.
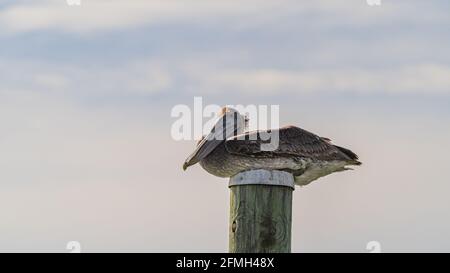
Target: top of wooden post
(263, 177)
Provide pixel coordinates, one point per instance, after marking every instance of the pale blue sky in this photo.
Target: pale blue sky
(86, 94)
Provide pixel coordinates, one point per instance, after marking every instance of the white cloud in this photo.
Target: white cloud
(426, 79)
(99, 15)
(132, 78)
(95, 15)
(148, 78)
(145, 77)
(51, 81)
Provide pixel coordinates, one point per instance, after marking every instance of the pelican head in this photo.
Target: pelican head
(229, 123)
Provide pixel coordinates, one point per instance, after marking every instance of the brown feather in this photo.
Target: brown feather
(294, 141)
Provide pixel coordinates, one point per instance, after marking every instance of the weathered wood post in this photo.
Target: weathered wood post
(261, 212)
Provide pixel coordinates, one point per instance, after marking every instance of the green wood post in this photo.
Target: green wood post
(261, 212)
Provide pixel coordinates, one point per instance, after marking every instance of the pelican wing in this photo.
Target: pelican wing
(293, 141)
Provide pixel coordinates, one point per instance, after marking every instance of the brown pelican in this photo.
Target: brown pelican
(228, 150)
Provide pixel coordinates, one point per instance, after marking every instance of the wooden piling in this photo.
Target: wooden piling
(260, 212)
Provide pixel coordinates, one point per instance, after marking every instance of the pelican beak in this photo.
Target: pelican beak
(224, 128)
(185, 166)
(204, 148)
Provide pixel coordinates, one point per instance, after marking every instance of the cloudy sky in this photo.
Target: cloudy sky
(86, 94)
